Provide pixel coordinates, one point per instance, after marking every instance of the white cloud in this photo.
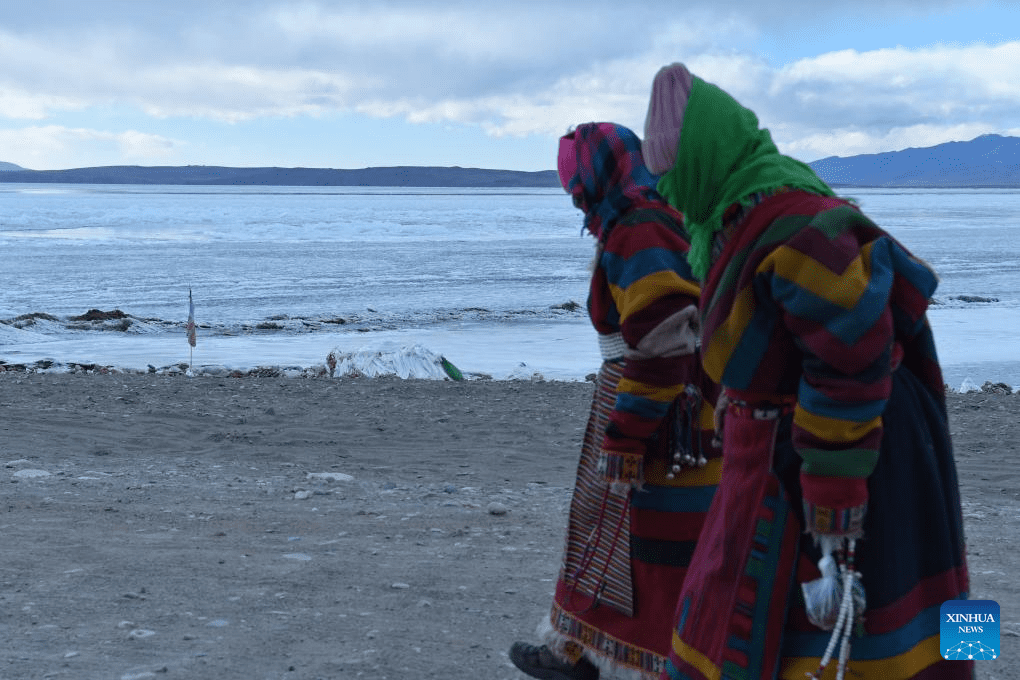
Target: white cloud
(302, 58)
(610, 88)
(235, 93)
(570, 101)
(534, 70)
(18, 103)
(836, 104)
(40, 146)
(940, 83)
(421, 29)
(134, 144)
(850, 102)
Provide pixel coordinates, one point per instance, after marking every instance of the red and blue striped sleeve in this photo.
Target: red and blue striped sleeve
(834, 287)
(646, 273)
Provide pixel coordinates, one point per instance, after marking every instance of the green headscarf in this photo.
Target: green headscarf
(722, 158)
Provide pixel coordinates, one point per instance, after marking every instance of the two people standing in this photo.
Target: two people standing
(835, 444)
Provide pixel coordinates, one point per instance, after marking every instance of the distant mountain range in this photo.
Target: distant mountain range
(987, 161)
(205, 174)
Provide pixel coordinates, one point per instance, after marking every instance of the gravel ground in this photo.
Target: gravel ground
(275, 528)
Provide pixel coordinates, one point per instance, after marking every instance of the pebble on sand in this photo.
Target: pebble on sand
(31, 474)
(331, 476)
(496, 508)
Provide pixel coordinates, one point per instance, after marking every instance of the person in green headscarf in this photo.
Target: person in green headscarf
(832, 418)
(723, 159)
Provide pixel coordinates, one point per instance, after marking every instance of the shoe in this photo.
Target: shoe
(539, 662)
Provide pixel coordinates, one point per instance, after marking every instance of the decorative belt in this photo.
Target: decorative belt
(751, 406)
(759, 411)
(758, 406)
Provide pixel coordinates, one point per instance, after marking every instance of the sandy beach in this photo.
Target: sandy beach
(160, 526)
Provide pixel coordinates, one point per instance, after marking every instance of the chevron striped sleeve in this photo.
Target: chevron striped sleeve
(825, 306)
(643, 288)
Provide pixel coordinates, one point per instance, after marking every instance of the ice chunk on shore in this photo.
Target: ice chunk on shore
(969, 385)
(408, 362)
(525, 372)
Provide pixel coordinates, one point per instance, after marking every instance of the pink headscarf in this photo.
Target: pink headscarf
(671, 89)
(566, 161)
(600, 165)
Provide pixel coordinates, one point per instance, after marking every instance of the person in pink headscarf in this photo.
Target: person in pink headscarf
(647, 471)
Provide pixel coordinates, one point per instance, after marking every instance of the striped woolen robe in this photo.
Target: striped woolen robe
(643, 289)
(822, 304)
(633, 525)
(811, 304)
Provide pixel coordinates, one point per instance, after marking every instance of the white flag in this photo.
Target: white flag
(191, 320)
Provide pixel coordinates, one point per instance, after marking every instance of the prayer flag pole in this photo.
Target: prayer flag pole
(191, 329)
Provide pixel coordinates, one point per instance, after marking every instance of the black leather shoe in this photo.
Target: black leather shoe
(539, 662)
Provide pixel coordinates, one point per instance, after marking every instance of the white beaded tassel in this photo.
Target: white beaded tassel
(844, 622)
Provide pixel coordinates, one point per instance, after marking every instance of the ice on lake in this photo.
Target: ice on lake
(283, 275)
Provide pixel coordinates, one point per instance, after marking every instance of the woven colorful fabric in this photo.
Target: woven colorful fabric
(626, 555)
(642, 288)
(610, 175)
(634, 520)
(807, 303)
(813, 299)
(729, 617)
(912, 558)
(810, 303)
(741, 615)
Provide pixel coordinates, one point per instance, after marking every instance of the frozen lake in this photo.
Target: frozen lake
(283, 275)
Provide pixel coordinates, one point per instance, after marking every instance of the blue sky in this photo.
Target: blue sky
(477, 84)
